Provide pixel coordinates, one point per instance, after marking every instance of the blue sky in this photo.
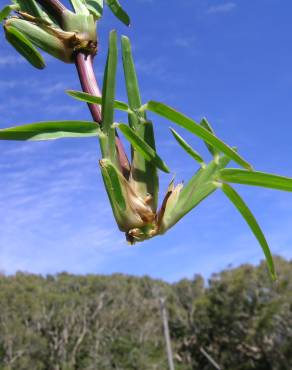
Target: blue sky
(230, 61)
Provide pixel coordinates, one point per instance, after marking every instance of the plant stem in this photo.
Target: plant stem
(84, 66)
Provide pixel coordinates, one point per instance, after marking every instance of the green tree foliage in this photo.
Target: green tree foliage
(67, 322)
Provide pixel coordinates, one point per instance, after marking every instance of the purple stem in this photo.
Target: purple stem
(84, 65)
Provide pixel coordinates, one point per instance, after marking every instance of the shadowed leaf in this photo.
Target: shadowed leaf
(142, 147)
(30, 6)
(24, 47)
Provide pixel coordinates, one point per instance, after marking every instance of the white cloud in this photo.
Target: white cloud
(184, 42)
(222, 8)
(54, 214)
(6, 60)
(8, 84)
(151, 66)
(144, 1)
(64, 109)
(45, 92)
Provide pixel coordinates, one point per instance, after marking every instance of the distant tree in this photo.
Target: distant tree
(68, 322)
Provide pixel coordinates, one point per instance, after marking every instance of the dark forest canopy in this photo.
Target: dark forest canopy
(66, 322)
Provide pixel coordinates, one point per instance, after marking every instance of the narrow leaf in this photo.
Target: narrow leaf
(253, 224)
(187, 147)
(142, 147)
(190, 125)
(143, 173)
(130, 75)
(108, 96)
(109, 83)
(24, 47)
(265, 180)
(204, 123)
(50, 130)
(92, 99)
(118, 11)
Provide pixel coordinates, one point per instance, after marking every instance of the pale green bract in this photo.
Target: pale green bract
(5, 12)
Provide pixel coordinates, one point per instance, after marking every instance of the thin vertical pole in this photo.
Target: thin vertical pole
(166, 333)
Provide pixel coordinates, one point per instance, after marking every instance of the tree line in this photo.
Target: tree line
(67, 322)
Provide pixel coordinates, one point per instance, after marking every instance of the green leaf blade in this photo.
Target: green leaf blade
(130, 75)
(187, 148)
(108, 97)
(142, 147)
(118, 11)
(190, 125)
(143, 173)
(109, 83)
(50, 131)
(204, 123)
(24, 47)
(256, 178)
(243, 209)
(92, 99)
